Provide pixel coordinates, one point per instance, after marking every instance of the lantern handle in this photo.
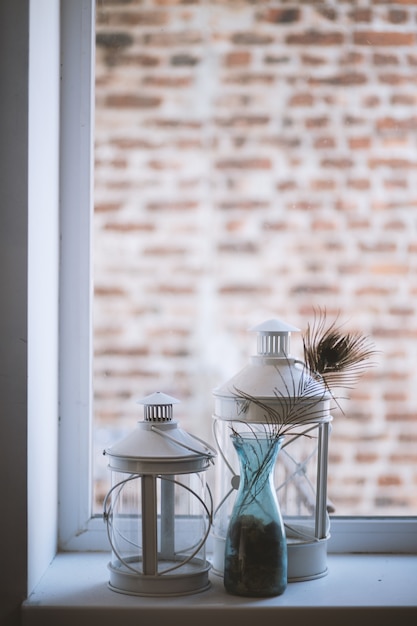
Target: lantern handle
(210, 452)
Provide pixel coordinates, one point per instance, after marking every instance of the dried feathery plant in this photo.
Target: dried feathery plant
(334, 357)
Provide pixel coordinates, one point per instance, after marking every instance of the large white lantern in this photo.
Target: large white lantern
(276, 387)
(159, 510)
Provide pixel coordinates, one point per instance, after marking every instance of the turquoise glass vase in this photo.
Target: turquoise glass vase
(256, 549)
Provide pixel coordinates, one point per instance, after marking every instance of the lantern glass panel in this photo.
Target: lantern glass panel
(296, 483)
(180, 521)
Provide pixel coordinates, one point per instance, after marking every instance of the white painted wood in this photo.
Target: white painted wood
(43, 270)
(77, 45)
(359, 589)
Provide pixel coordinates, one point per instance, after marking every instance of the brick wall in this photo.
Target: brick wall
(257, 159)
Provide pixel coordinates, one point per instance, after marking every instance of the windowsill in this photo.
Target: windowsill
(361, 587)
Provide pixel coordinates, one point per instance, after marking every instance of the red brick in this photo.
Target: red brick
(324, 225)
(242, 205)
(279, 15)
(339, 162)
(244, 164)
(163, 165)
(359, 183)
(273, 59)
(123, 351)
(395, 184)
(184, 60)
(366, 457)
(120, 227)
(176, 289)
(392, 123)
(323, 184)
(397, 16)
(385, 59)
(346, 79)
(302, 206)
(351, 120)
(378, 247)
(251, 39)
(389, 269)
(360, 143)
(174, 123)
(383, 38)
(182, 205)
(402, 311)
(168, 39)
(113, 42)
(238, 58)
(374, 291)
(287, 185)
(242, 121)
(173, 3)
(397, 79)
(327, 12)
(168, 82)
(108, 291)
(250, 78)
(309, 59)
(107, 207)
(352, 58)
(302, 99)
(164, 251)
(404, 99)
(406, 459)
(360, 15)
(371, 101)
(240, 247)
(130, 101)
(317, 122)
(315, 289)
(235, 289)
(389, 480)
(315, 38)
(324, 143)
(345, 205)
(395, 225)
(134, 18)
(392, 163)
(126, 143)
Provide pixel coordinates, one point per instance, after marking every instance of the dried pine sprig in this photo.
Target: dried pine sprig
(335, 357)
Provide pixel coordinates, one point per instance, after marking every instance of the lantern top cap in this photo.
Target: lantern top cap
(274, 326)
(158, 407)
(158, 398)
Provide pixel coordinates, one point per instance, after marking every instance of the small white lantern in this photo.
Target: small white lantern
(156, 512)
(280, 386)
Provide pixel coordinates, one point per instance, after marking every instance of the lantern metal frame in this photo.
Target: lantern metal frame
(272, 380)
(147, 468)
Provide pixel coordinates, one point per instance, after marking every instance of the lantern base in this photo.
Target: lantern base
(307, 560)
(191, 577)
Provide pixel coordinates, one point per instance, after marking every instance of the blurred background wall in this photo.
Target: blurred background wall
(258, 159)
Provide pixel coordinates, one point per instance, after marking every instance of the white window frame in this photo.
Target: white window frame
(78, 531)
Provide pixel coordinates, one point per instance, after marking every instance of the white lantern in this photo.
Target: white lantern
(156, 511)
(282, 390)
